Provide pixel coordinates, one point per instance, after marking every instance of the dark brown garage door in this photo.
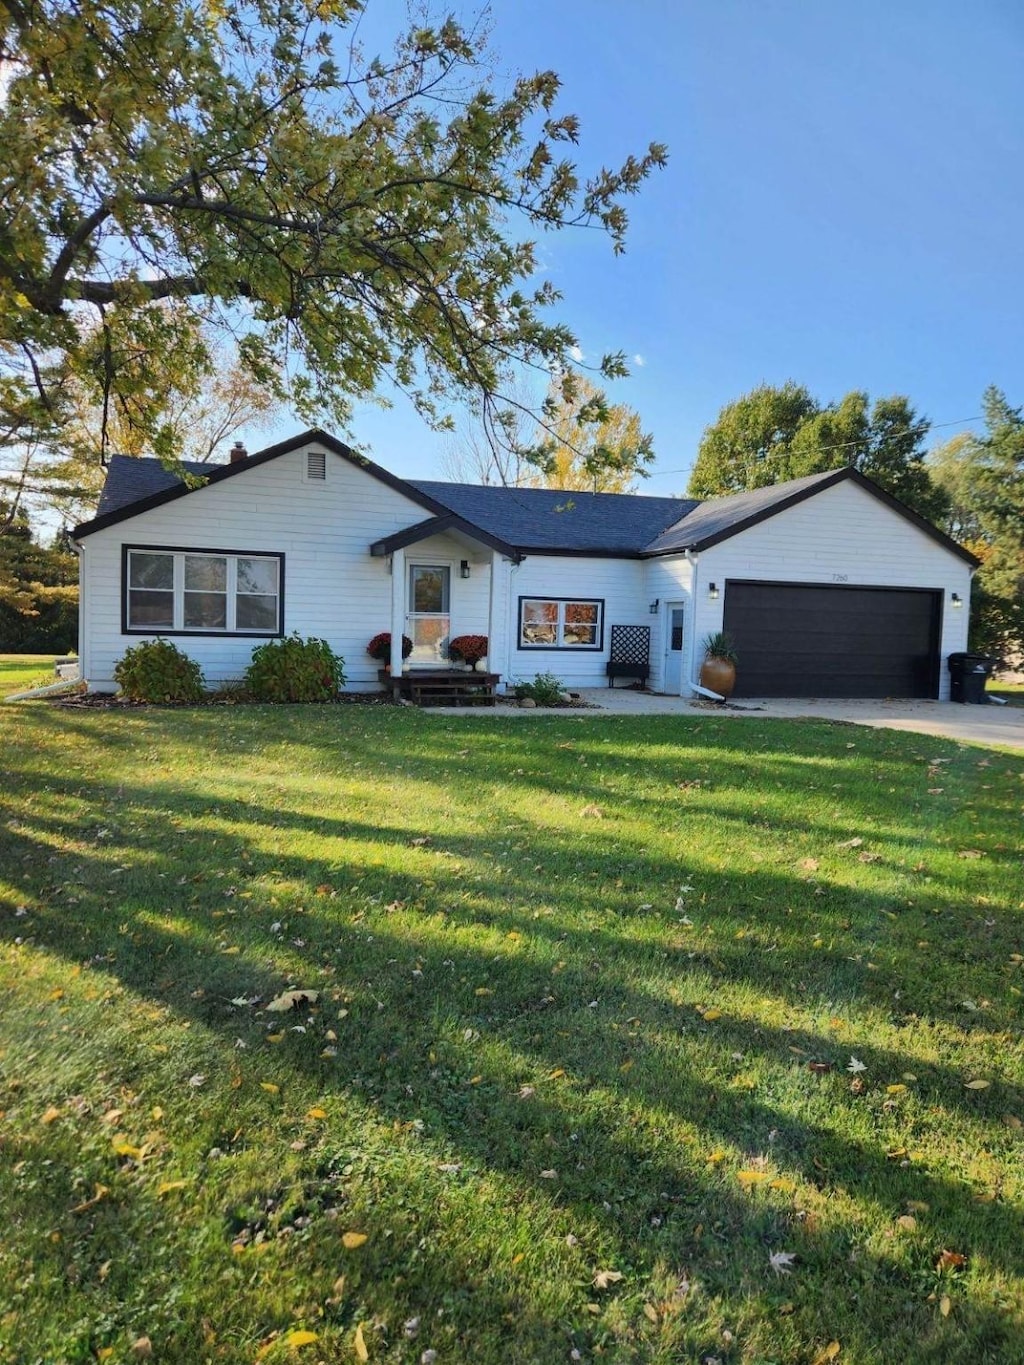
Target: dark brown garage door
(807, 640)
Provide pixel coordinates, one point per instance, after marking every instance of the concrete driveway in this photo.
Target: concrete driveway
(1002, 726)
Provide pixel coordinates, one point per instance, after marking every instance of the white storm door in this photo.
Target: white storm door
(673, 670)
(428, 620)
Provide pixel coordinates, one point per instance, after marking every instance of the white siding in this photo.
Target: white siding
(842, 534)
(618, 582)
(333, 587)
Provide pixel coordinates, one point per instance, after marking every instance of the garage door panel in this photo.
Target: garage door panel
(815, 640)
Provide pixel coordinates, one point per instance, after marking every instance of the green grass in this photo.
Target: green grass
(574, 974)
(19, 672)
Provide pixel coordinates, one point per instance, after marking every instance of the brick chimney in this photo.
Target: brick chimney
(238, 452)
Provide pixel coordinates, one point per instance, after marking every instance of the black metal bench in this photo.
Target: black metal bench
(630, 654)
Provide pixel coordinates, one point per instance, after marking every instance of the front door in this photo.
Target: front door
(673, 671)
(428, 623)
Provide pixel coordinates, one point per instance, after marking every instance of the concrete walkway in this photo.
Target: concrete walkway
(1000, 726)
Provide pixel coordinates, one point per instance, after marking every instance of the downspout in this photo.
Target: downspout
(692, 558)
(83, 672)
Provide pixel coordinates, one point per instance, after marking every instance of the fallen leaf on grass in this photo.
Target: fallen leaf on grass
(782, 1262)
(51, 1116)
(970, 853)
(810, 864)
(710, 1015)
(751, 1177)
(855, 1065)
(604, 1278)
(270, 1087)
(850, 843)
(300, 1337)
(907, 1222)
(351, 1240)
(101, 1193)
(359, 1343)
(945, 1305)
(819, 1068)
(291, 1000)
(977, 1085)
(556, 1075)
(950, 1260)
(168, 1185)
(549, 1175)
(895, 1089)
(592, 812)
(275, 1037)
(829, 1353)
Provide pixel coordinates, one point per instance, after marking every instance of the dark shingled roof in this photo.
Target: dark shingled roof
(532, 520)
(130, 480)
(552, 520)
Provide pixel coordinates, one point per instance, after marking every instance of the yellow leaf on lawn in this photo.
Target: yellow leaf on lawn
(907, 1222)
(517, 1257)
(351, 1240)
(275, 1037)
(712, 1014)
(229, 952)
(101, 1193)
(158, 1113)
(716, 1157)
(122, 1147)
(361, 1352)
(51, 1115)
(300, 1337)
(627, 1065)
(316, 1112)
(784, 1184)
(945, 1305)
(168, 1185)
(895, 1089)
(556, 1075)
(483, 990)
(269, 1087)
(977, 1085)
(751, 1177)
(829, 1353)
(291, 1000)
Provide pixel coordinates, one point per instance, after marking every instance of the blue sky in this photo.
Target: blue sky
(843, 204)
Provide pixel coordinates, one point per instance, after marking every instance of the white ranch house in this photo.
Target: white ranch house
(830, 586)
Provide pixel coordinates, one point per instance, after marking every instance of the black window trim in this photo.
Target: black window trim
(162, 631)
(561, 649)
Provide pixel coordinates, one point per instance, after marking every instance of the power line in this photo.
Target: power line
(842, 445)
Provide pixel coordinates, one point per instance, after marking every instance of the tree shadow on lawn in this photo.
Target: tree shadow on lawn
(646, 1202)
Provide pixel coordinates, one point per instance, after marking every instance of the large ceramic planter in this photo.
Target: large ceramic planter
(719, 676)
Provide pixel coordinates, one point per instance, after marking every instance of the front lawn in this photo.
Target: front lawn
(19, 672)
(1012, 693)
(638, 1040)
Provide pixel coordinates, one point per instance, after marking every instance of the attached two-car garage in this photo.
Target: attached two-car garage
(824, 640)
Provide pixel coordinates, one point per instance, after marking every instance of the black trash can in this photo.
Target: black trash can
(968, 675)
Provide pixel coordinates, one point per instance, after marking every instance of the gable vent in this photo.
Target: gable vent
(316, 465)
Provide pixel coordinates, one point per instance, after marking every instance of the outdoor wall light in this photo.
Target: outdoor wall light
(956, 599)
(713, 591)
(464, 569)
(653, 608)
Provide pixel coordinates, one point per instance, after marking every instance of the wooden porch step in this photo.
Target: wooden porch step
(444, 687)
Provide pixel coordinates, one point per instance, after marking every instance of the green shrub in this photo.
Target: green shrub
(546, 690)
(294, 669)
(156, 670)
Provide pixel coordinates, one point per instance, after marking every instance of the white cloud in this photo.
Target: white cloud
(639, 361)
(576, 354)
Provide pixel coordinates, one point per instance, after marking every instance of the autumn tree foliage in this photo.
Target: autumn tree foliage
(346, 219)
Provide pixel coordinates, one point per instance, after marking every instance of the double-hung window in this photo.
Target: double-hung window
(202, 592)
(561, 623)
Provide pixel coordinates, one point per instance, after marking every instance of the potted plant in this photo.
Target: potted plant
(718, 671)
(379, 648)
(468, 649)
